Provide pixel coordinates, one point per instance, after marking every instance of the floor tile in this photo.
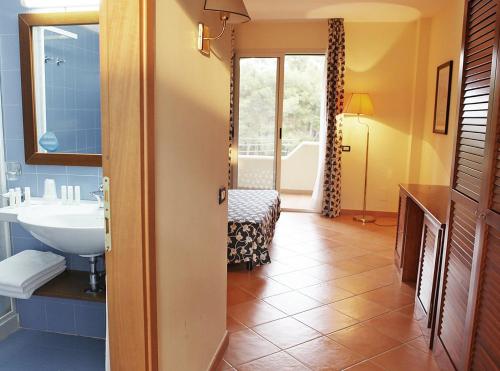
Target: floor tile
(325, 272)
(275, 362)
(365, 366)
(233, 325)
(324, 354)
(396, 325)
(286, 332)
(357, 284)
(254, 313)
(224, 366)
(274, 269)
(406, 358)
(374, 261)
(351, 266)
(236, 295)
(364, 340)
(326, 292)
(292, 302)
(390, 296)
(420, 343)
(245, 346)
(325, 319)
(296, 280)
(358, 308)
(264, 287)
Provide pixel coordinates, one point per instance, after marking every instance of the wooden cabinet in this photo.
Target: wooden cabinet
(467, 333)
(419, 244)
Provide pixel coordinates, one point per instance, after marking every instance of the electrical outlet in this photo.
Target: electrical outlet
(346, 148)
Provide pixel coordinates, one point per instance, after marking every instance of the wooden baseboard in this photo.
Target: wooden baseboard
(219, 354)
(296, 192)
(380, 214)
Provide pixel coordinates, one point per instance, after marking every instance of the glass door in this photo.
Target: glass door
(257, 123)
(304, 87)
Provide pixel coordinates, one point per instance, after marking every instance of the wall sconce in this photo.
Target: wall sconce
(231, 11)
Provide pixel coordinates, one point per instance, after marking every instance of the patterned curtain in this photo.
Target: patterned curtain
(334, 106)
(231, 109)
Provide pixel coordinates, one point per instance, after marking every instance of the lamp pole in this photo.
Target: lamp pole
(365, 218)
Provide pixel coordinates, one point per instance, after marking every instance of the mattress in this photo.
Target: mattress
(252, 217)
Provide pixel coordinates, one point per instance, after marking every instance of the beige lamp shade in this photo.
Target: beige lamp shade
(359, 104)
(236, 8)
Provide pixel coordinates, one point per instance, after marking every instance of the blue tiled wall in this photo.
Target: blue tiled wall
(41, 312)
(73, 91)
(74, 317)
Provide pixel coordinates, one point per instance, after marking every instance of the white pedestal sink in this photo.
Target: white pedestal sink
(73, 229)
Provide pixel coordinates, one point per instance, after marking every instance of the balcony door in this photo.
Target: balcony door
(277, 123)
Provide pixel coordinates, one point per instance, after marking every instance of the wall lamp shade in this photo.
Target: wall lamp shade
(359, 104)
(231, 11)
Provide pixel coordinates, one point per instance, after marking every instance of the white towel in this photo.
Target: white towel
(28, 291)
(34, 282)
(27, 268)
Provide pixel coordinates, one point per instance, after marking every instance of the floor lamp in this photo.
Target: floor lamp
(360, 104)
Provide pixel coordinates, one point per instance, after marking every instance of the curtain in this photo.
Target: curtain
(231, 106)
(334, 106)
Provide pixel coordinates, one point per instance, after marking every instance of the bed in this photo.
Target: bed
(252, 217)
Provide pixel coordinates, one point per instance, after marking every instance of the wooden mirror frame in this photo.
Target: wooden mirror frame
(26, 22)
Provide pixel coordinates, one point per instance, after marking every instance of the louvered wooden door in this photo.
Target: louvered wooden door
(430, 251)
(467, 231)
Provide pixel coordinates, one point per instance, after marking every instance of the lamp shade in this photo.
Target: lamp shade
(359, 104)
(236, 8)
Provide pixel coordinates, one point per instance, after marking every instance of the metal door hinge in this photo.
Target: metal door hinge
(107, 214)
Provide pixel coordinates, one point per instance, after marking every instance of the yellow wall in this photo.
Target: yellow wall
(432, 154)
(191, 164)
(380, 60)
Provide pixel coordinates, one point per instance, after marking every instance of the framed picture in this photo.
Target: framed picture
(442, 102)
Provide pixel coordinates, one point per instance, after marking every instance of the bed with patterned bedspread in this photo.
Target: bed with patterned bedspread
(252, 218)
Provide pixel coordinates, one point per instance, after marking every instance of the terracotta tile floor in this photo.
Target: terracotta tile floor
(330, 300)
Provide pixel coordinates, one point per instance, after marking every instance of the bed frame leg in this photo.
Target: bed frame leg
(249, 266)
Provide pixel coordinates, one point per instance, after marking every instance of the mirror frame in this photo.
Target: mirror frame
(26, 22)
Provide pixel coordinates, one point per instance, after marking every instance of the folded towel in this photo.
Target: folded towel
(21, 269)
(34, 280)
(27, 291)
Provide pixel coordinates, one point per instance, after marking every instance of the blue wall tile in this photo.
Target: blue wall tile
(38, 312)
(32, 313)
(60, 316)
(91, 320)
(63, 316)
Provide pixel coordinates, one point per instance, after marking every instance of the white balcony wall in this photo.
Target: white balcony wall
(298, 169)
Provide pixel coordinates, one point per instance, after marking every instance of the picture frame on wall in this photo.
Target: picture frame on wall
(443, 97)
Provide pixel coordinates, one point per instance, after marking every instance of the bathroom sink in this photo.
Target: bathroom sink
(73, 229)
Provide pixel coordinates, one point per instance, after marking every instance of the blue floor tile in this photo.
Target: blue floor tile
(30, 350)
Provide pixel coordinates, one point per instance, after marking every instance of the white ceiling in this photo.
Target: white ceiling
(350, 10)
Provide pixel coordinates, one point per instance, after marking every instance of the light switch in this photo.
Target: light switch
(222, 195)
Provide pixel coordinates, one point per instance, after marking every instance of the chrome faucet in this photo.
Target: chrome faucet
(99, 196)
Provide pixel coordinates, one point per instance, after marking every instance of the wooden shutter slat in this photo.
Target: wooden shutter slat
(488, 13)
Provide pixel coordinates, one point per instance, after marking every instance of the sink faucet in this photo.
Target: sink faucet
(99, 196)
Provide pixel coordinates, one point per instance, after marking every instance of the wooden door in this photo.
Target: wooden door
(467, 229)
(127, 85)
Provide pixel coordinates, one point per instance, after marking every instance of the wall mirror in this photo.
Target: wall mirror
(60, 76)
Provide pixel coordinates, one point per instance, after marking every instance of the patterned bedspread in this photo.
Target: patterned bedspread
(252, 219)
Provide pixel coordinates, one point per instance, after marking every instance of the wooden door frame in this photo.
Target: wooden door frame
(127, 38)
